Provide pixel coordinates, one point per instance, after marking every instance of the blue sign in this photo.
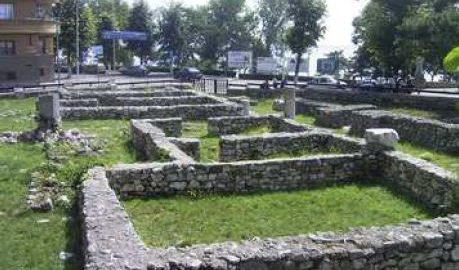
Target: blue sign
(124, 35)
(97, 50)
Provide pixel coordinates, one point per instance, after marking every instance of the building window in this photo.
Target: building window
(7, 47)
(8, 76)
(6, 11)
(39, 11)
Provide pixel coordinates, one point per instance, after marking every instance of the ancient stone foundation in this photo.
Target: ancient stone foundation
(112, 243)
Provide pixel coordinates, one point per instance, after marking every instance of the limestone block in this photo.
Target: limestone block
(385, 137)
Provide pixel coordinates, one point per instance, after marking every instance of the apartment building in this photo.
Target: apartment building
(26, 42)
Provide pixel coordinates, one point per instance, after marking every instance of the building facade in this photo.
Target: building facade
(26, 42)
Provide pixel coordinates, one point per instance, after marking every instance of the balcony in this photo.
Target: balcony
(27, 26)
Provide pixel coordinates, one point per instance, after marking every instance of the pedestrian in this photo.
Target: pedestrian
(283, 83)
(275, 83)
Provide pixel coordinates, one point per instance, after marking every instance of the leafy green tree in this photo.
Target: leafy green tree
(273, 19)
(140, 20)
(451, 61)
(430, 31)
(87, 28)
(228, 25)
(172, 31)
(307, 27)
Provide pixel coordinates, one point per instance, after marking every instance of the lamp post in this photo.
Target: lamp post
(58, 7)
(77, 31)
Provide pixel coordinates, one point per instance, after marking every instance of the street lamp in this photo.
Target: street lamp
(58, 7)
(77, 32)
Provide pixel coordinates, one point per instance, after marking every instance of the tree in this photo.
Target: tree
(228, 25)
(87, 28)
(307, 19)
(172, 31)
(451, 61)
(140, 20)
(273, 19)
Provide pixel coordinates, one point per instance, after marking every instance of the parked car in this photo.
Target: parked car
(367, 84)
(135, 71)
(188, 74)
(329, 81)
(94, 69)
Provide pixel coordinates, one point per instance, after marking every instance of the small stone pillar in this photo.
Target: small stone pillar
(48, 112)
(381, 139)
(419, 81)
(246, 105)
(289, 109)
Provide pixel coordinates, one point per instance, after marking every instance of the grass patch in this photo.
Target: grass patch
(415, 113)
(17, 114)
(209, 144)
(262, 129)
(217, 218)
(25, 241)
(446, 161)
(305, 119)
(264, 107)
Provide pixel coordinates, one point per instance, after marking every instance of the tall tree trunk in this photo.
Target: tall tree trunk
(297, 67)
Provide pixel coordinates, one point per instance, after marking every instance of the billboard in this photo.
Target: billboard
(124, 35)
(267, 65)
(239, 59)
(327, 65)
(304, 65)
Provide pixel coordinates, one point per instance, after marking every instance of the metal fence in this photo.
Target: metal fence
(216, 86)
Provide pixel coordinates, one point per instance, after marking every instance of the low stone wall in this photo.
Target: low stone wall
(239, 124)
(186, 112)
(235, 125)
(380, 99)
(435, 187)
(189, 146)
(254, 92)
(110, 242)
(161, 101)
(235, 148)
(172, 127)
(328, 114)
(428, 133)
(152, 143)
(90, 102)
(106, 97)
(240, 177)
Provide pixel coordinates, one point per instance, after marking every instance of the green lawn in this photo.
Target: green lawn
(446, 161)
(209, 144)
(30, 240)
(264, 107)
(416, 112)
(219, 218)
(17, 114)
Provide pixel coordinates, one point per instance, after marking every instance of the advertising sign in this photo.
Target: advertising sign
(239, 59)
(267, 65)
(327, 65)
(304, 65)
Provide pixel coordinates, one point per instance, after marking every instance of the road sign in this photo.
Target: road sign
(124, 35)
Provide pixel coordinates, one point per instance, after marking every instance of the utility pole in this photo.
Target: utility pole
(77, 31)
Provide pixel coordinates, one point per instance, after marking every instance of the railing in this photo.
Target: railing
(216, 86)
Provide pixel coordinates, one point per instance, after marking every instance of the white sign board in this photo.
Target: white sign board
(267, 65)
(239, 59)
(304, 66)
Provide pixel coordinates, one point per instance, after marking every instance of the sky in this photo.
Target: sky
(338, 22)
